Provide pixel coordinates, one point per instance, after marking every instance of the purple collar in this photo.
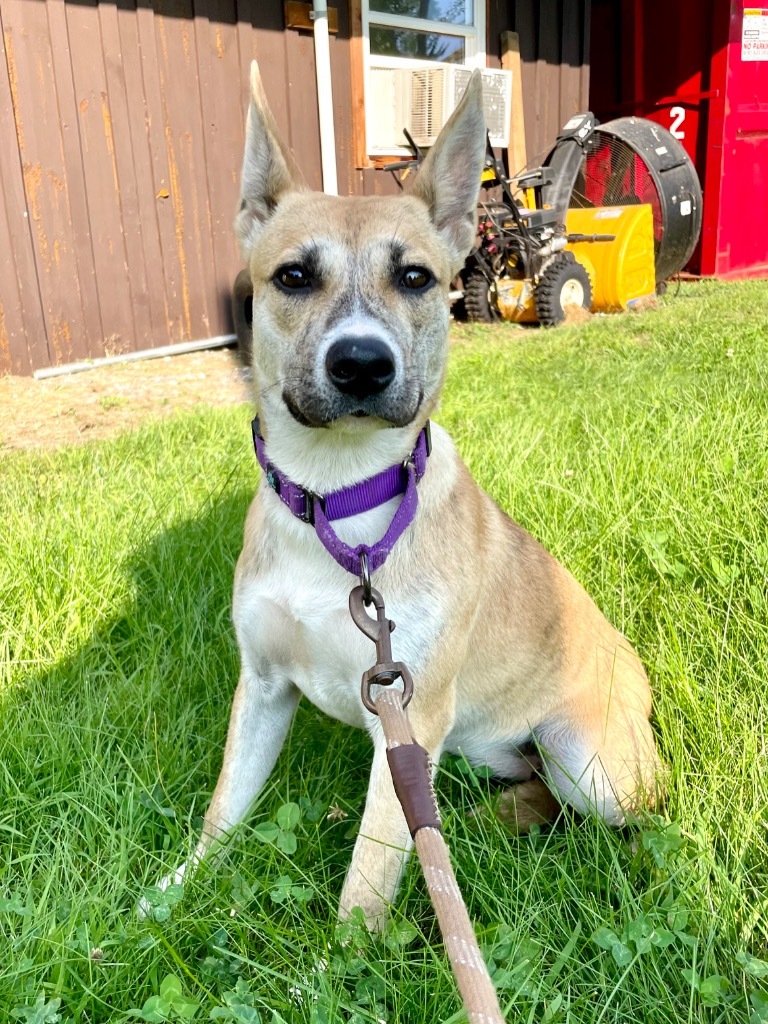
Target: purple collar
(320, 510)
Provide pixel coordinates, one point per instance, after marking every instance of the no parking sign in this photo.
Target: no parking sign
(754, 34)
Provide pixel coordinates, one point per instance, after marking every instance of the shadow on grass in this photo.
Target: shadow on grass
(108, 762)
(130, 729)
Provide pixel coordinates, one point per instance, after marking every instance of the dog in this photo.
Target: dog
(350, 329)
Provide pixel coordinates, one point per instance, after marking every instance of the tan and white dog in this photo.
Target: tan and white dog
(505, 647)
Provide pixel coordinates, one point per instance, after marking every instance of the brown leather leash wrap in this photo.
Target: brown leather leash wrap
(412, 778)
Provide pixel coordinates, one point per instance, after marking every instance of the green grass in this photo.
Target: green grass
(636, 449)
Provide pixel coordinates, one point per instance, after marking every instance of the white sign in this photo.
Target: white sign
(754, 34)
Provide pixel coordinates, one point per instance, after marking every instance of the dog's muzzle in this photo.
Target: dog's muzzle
(359, 376)
(360, 367)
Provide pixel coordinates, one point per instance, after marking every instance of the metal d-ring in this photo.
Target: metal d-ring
(385, 671)
(365, 577)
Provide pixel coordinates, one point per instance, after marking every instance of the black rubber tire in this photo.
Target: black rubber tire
(563, 269)
(477, 303)
(242, 315)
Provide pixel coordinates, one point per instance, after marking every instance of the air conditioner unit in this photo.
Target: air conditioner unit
(422, 99)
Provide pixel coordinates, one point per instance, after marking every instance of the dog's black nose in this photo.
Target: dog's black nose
(360, 366)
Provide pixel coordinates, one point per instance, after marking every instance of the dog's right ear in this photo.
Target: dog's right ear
(269, 170)
(449, 179)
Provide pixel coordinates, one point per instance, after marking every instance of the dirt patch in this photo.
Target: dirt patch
(107, 401)
(644, 304)
(575, 314)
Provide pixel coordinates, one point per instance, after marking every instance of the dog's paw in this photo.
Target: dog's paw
(366, 912)
(526, 804)
(157, 903)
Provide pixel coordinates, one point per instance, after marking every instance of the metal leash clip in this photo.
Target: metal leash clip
(385, 671)
(365, 577)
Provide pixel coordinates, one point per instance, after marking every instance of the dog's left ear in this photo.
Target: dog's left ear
(449, 179)
(269, 170)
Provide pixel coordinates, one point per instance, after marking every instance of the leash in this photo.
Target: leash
(408, 761)
(412, 777)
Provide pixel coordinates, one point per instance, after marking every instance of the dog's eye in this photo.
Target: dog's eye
(292, 277)
(416, 279)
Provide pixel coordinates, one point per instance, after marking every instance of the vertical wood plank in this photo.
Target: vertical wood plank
(223, 136)
(14, 354)
(357, 85)
(185, 154)
(302, 105)
(93, 341)
(246, 51)
(47, 132)
(23, 342)
(526, 27)
(385, 184)
(510, 61)
(124, 60)
(287, 63)
(170, 264)
(586, 47)
(570, 61)
(370, 177)
(343, 112)
(496, 22)
(146, 297)
(103, 187)
(170, 229)
(548, 73)
(268, 48)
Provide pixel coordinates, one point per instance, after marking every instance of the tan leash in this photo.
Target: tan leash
(412, 778)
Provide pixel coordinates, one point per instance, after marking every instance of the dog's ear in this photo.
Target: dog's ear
(449, 179)
(269, 170)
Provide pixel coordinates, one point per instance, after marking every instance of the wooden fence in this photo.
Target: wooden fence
(121, 135)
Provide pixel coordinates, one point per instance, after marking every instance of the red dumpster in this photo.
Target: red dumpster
(699, 68)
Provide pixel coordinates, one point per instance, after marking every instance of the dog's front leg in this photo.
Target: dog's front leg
(261, 714)
(384, 842)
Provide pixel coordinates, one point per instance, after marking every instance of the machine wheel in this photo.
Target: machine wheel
(564, 283)
(242, 314)
(477, 302)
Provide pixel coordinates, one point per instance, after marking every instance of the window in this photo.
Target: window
(400, 34)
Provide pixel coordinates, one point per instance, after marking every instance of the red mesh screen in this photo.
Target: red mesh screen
(614, 175)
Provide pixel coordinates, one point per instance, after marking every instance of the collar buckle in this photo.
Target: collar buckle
(307, 514)
(273, 478)
(417, 460)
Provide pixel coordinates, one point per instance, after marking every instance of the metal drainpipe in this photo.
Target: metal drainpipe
(325, 97)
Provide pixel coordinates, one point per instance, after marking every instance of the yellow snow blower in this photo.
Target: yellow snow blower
(611, 214)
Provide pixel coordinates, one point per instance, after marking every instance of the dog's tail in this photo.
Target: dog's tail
(525, 804)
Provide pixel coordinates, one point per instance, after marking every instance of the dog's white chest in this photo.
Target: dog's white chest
(303, 634)
(296, 628)
(331, 674)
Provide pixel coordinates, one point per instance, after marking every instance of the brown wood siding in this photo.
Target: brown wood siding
(554, 50)
(22, 328)
(121, 137)
(46, 127)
